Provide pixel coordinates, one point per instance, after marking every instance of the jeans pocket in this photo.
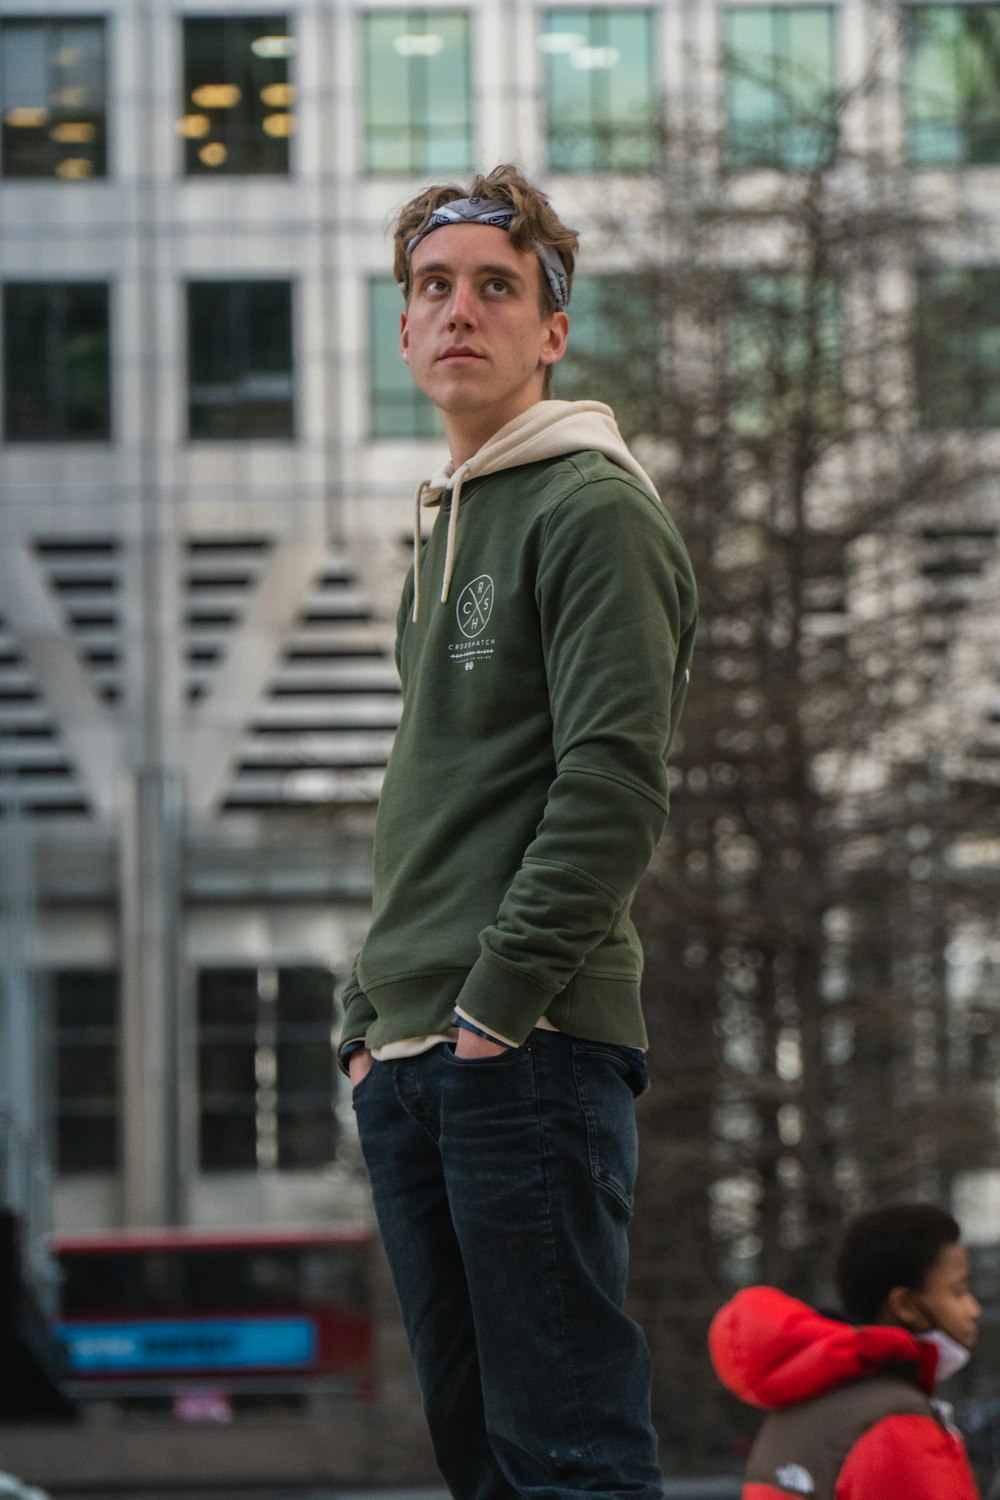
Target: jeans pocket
(605, 1079)
(360, 1087)
(498, 1060)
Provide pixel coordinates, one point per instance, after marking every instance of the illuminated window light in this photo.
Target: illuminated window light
(213, 154)
(193, 127)
(428, 44)
(74, 168)
(278, 95)
(278, 125)
(561, 41)
(273, 46)
(65, 57)
(73, 133)
(216, 95)
(73, 98)
(589, 58)
(26, 119)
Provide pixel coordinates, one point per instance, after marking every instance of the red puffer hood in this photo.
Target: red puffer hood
(771, 1350)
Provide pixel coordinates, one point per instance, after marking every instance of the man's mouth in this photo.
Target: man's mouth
(460, 352)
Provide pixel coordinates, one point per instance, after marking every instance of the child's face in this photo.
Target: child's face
(946, 1297)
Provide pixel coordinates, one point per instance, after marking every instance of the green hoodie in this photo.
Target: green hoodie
(527, 788)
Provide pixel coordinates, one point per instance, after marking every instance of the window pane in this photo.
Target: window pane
(86, 1145)
(85, 1013)
(307, 1075)
(238, 110)
(267, 1069)
(52, 99)
(600, 103)
(417, 92)
(240, 359)
(305, 998)
(784, 352)
(228, 1037)
(780, 70)
(614, 320)
(958, 347)
(226, 1069)
(228, 997)
(397, 407)
(57, 372)
(228, 1142)
(953, 84)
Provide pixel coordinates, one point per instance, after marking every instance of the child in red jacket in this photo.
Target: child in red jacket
(851, 1408)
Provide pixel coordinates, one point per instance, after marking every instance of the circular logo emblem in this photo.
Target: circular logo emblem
(475, 605)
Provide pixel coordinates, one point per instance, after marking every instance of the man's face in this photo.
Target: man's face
(473, 334)
(946, 1298)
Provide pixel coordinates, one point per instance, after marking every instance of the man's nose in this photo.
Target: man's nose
(461, 308)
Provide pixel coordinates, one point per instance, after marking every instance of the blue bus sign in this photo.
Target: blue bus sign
(189, 1344)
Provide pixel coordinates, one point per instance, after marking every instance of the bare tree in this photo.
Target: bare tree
(799, 410)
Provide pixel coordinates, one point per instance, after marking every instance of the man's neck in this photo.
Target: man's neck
(465, 437)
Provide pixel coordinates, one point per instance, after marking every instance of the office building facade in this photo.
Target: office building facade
(209, 449)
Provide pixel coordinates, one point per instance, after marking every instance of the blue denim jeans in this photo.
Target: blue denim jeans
(503, 1188)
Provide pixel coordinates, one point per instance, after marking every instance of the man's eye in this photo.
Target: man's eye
(496, 285)
(435, 286)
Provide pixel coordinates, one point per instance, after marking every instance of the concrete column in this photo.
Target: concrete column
(150, 949)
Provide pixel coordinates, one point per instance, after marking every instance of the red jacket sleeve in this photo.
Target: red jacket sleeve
(907, 1458)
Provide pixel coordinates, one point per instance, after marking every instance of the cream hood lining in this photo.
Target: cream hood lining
(549, 429)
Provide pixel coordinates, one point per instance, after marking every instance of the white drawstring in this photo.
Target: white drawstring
(452, 539)
(434, 487)
(418, 497)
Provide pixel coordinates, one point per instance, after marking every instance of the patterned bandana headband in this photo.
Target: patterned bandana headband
(485, 211)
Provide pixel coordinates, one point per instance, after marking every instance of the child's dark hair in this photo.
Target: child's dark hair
(889, 1247)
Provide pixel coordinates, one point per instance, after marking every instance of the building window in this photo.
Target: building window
(785, 353)
(780, 79)
(417, 92)
(615, 324)
(240, 359)
(56, 361)
(397, 407)
(266, 1068)
(52, 99)
(86, 1030)
(238, 111)
(600, 97)
(953, 84)
(958, 347)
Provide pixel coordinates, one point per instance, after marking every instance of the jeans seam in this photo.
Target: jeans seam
(564, 1322)
(602, 1178)
(421, 1117)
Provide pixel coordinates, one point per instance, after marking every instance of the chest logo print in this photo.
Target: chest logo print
(475, 605)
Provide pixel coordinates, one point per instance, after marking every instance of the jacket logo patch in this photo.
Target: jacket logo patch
(795, 1478)
(475, 605)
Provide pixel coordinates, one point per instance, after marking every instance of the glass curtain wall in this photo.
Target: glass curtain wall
(417, 82)
(600, 89)
(52, 98)
(780, 67)
(953, 84)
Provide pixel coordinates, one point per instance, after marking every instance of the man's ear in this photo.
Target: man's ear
(556, 336)
(903, 1310)
(404, 339)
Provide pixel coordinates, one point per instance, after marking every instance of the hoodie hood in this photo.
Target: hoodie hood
(549, 429)
(771, 1350)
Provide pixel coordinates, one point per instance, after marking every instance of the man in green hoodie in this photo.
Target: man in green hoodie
(493, 1030)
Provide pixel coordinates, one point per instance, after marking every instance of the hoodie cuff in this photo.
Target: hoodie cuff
(501, 1001)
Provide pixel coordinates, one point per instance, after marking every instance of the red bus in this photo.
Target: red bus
(157, 1312)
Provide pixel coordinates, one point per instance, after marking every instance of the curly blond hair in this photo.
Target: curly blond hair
(536, 222)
